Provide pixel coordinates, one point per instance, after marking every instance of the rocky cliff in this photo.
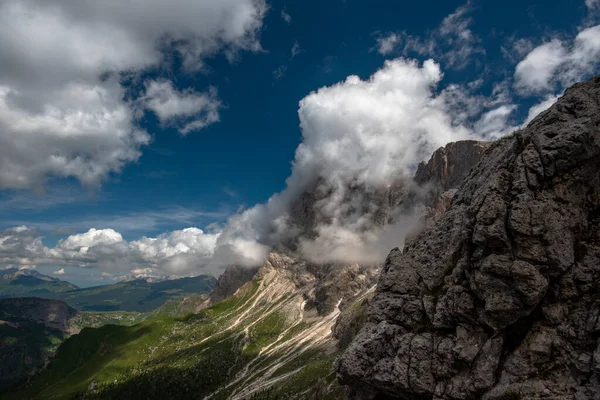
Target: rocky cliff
(499, 299)
(229, 282)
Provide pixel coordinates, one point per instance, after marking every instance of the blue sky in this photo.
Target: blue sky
(286, 50)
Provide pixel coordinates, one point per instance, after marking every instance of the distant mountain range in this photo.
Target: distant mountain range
(29, 282)
(141, 294)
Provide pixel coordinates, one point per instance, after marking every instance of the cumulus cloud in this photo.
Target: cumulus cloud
(358, 133)
(361, 140)
(177, 253)
(62, 112)
(559, 62)
(21, 246)
(452, 42)
(537, 69)
(592, 4)
(59, 272)
(187, 109)
(94, 237)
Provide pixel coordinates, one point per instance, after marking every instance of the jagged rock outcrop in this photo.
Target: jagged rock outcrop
(324, 286)
(500, 299)
(230, 281)
(449, 165)
(445, 171)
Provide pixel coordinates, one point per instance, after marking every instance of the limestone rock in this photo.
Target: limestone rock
(499, 298)
(231, 280)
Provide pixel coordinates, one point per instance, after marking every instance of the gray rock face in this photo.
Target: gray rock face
(450, 165)
(231, 280)
(499, 299)
(323, 285)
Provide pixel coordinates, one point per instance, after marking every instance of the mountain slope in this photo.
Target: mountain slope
(276, 337)
(270, 336)
(499, 298)
(27, 283)
(30, 331)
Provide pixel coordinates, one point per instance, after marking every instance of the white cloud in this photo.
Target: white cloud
(452, 42)
(592, 4)
(188, 110)
(94, 237)
(59, 272)
(285, 16)
(559, 62)
(358, 136)
(176, 253)
(21, 246)
(373, 129)
(387, 44)
(296, 49)
(536, 71)
(62, 112)
(84, 131)
(366, 133)
(495, 123)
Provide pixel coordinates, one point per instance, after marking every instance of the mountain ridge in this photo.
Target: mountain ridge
(141, 294)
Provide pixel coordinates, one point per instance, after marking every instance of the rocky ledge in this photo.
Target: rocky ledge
(500, 298)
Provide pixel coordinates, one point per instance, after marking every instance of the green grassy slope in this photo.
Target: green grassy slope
(24, 348)
(258, 344)
(26, 344)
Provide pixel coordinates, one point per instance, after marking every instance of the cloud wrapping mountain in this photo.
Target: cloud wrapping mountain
(369, 133)
(365, 134)
(62, 114)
